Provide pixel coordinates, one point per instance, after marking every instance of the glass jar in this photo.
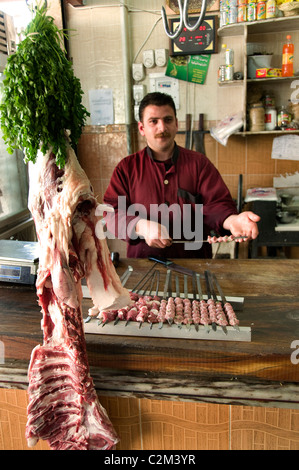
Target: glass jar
(283, 117)
(270, 118)
(257, 117)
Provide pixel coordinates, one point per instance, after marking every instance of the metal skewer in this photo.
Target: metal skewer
(224, 329)
(143, 280)
(200, 295)
(194, 296)
(223, 298)
(214, 325)
(177, 286)
(241, 237)
(126, 275)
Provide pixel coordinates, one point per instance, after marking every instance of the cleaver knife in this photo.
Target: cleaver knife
(198, 136)
(188, 139)
(173, 266)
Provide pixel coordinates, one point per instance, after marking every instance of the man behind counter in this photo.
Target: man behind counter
(167, 192)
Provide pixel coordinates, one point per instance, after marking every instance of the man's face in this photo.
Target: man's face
(159, 127)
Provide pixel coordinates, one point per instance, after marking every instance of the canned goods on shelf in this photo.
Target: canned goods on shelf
(271, 9)
(242, 13)
(224, 5)
(261, 11)
(221, 73)
(229, 57)
(224, 18)
(233, 15)
(251, 12)
(229, 72)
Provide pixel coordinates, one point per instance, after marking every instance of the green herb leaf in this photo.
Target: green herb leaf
(41, 98)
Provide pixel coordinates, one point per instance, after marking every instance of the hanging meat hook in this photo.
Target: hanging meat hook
(184, 20)
(179, 28)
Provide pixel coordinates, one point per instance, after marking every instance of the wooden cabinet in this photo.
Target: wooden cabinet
(272, 34)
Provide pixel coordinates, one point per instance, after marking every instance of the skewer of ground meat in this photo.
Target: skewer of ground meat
(221, 318)
(204, 314)
(195, 313)
(225, 239)
(187, 312)
(212, 310)
(232, 318)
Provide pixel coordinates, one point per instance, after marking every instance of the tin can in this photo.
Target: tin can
(233, 15)
(271, 9)
(233, 3)
(229, 72)
(224, 5)
(242, 3)
(224, 18)
(221, 73)
(251, 12)
(229, 57)
(242, 13)
(261, 11)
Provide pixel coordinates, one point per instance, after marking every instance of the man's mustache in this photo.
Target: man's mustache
(162, 134)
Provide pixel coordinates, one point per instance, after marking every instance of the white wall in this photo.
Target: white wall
(96, 50)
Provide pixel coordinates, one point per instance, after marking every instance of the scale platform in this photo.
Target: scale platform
(18, 261)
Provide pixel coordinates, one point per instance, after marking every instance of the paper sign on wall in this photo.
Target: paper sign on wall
(192, 68)
(286, 147)
(101, 107)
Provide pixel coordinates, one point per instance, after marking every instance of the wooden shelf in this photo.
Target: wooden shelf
(231, 83)
(278, 132)
(272, 25)
(271, 79)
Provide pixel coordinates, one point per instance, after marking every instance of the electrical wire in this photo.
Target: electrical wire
(146, 39)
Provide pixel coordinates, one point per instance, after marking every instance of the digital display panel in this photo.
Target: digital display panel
(201, 41)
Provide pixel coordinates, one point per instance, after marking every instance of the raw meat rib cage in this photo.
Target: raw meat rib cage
(63, 405)
(170, 313)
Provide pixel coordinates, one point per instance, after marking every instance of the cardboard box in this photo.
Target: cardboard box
(266, 73)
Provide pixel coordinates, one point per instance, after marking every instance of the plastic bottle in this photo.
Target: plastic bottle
(287, 58)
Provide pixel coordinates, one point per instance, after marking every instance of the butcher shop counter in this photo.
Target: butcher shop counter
(262, 370)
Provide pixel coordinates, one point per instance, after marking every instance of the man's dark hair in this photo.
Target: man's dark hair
(156, 99)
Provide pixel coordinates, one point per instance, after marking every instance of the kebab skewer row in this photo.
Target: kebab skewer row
(176, 310)
(220, 315)
(211, 304)
(201, 308)
(232, 318)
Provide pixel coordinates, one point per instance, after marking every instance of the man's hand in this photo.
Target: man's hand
(155, 234)
(243, 224)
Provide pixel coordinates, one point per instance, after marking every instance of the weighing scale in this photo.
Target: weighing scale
(18, 261)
